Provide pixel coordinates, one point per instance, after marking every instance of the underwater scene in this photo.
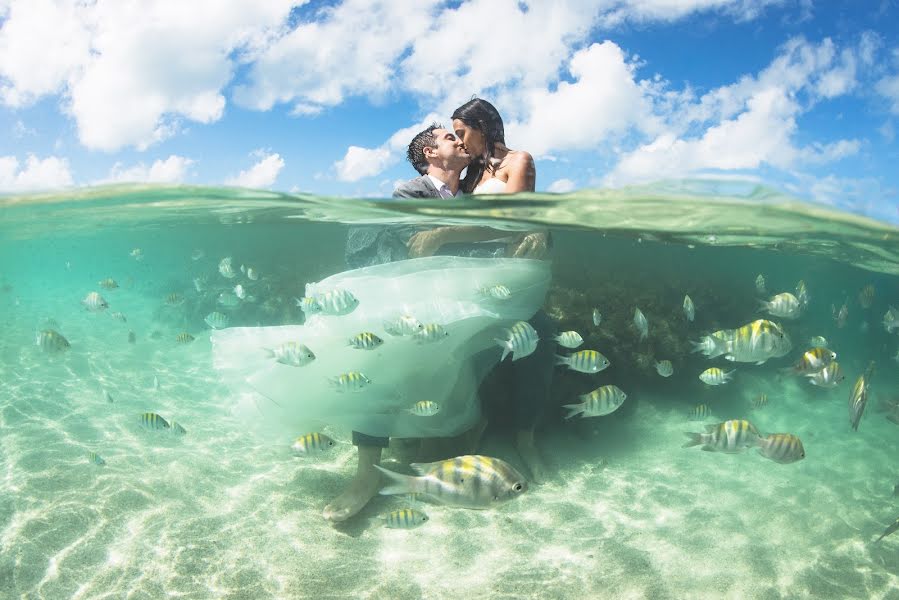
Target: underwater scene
(695, 394)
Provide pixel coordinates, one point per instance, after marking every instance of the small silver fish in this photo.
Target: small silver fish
(828, 377)
(465, 481)
(239, 291)
(403, 326)
(119, 317)
(858, 398)
(177, 429)
(96, 459)
(424, 408)
(569, 339)
(228, 299)
(783, 448)
(889, 530)
(225, 268)
(132, 337)
(252, 275)
(216, 320)
(155, 383)
(818, 341)
(365, 341)
(153, 421)
(715, 376)
(337, 302)
(293, 354)
(664, 368)
(761, 401)
(308, 305)
(200, 284)
(760, 285)
(584, 361)
(312, 443)
(802, 294)
(108, 284)
(641, 323)
(94, 302)
(890, 319)
(137, 254)
(432, 332)
(602, 401)
(52, 341)
(841, 315)
(521, 340)
(689, 309)
(353, 381)
(405, 518)
(498, 292)
(784, 305)
(597, 317)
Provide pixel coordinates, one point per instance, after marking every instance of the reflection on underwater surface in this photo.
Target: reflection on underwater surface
(228, 510)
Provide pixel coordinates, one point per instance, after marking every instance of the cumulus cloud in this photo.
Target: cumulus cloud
(262, 174)
(561, 186)
(888, 87)
(359, 162)
(129, 71)
(170, 170)
(36, 174)
(665, 10)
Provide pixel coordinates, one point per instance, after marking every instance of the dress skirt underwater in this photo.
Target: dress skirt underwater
(445, 290)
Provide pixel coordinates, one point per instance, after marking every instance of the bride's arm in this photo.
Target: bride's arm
(522, 173)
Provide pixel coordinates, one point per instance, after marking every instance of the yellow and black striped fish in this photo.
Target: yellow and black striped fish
(177, 429)
(432, 332)
(760, 401)
(405, 518)
(310, 443)
(366, 341)
(585, 361)
(784, 448)
(813, 360)
(858, 398)
(521, 340)
(466, 481)
(350, 382)
(700, 411)
(602, 401)
(151, 420)
(108, 284)
(174, 299)
(730, 437)
(184, 338)
(51, 340)
(96, 459)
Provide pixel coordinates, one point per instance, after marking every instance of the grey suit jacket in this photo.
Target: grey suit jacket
(420, 187)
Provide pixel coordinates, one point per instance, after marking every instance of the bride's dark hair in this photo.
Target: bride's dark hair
(483, 116)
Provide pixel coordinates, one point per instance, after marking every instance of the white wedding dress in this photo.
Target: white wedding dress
(493, 185)
(447, 290)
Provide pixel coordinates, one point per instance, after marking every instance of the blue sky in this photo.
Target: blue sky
(322, 97)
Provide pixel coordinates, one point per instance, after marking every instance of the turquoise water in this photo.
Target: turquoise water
(227, 511)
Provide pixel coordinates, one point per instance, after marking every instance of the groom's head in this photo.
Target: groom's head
(439, 147)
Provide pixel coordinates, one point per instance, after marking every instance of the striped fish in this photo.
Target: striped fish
(521, 340)
(174, 299)
(802, 294)
(689, 309)
(293, 354)
(216, 320)
(108, 284)
(432, 332)
(760, 284)
(402, 326)
(425, 408)
(760, 401)
(96, 459)
(471, 481)
(184, 338)
(730, 436)
(350, 382)
(51, 340)
(783, 448)
(585, 361)
(151, 420)
(715, 376)
(784, 305)
(866, 296)
(713, 345)
(225, 268)
(664, 368)
(813, 360)
(641, 323)
(94, 302)
(177, 429)
(598, 403)
(858, 399)
(828, 377)
(700, 411)
(891, 529)
(569, 339)
(337, 302)
(498, 292)
(118, 316)
(758, 341)
(308, 305)
(365, 341)
(312, 443)
(405, 518)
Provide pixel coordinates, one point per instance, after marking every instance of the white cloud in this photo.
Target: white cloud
(671, 10)
(561, 186)
(888, 87)
(171, 170)
(129, 71)
(36, 174)
(359, 162)
(261, 175)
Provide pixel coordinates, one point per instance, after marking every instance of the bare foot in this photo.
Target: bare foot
(362, 488)
(524, 441)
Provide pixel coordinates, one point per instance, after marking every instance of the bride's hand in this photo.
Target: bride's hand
(532, 245)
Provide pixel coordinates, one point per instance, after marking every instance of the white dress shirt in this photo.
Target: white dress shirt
(443, 189)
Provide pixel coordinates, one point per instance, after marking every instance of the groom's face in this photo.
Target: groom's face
(449, 151)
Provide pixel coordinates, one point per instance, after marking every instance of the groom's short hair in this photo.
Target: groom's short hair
(416, 152)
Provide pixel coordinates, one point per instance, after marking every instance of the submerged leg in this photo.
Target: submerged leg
(361, 489)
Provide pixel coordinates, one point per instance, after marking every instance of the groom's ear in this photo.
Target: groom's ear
(429, 151)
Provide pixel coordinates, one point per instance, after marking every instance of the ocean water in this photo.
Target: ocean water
(227, 511)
